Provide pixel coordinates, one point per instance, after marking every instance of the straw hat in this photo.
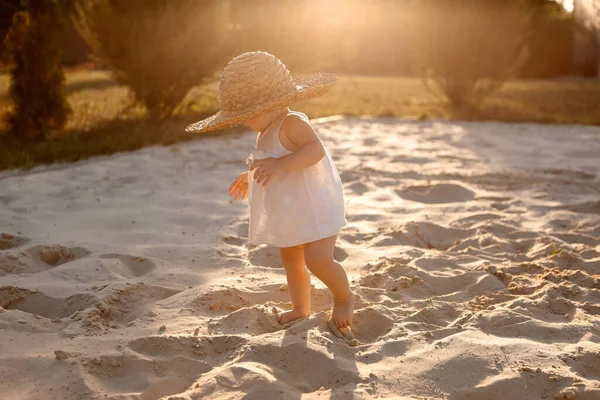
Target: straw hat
(255, 83)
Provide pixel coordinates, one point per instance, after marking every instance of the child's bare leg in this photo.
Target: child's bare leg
(319, 260)
(298, 284)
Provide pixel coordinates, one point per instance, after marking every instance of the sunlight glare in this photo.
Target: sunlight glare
(568, 5)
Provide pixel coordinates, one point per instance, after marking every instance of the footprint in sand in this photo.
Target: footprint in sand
(6, 200)
(289, 373)
(340, 254)
(370, 142)
(254, 321)
(133, 301)
(391, 275)
(372, 324)
(264, 256)
(495, 199)
(501, 206)
(224, 301)
(497, 202)
(569, 173)
(434, 315)
(10, 241)
(588, 207)
(350, 176)
(574, 238)
(389, 283)
(295, 364)
(118, 306)
(363, 217)
(578, 277)
(584, 362)
(411, 160)
(56, 254)
(213, 348)
(150, 379)
(438, 266)
(234, 240)
(425, 235)
(462, 287)
(358, 188)
(34, 302)
(242, 229)
(425, 281)
(561, 225)
(39, 258)
(127, 265)
(356, 237)
(396, 348)
(437, 194)
(475, 219)
(511, 324)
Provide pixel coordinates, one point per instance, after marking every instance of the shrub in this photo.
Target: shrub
(466, 49)
(550, 46)
(36, 78)
(160, 49)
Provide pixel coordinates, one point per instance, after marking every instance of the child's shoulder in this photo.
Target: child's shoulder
(294, 122)
(296, 130)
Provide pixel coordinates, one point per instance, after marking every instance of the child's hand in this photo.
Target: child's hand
(239, 187)
(266, 169)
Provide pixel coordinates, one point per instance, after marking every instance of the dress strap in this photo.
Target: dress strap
(270, 138)
(276, 140)
(297, 114)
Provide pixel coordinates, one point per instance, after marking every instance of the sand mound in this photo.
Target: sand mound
(473, 250)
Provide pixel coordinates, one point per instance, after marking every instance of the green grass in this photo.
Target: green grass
(555, 249)
(105, 121)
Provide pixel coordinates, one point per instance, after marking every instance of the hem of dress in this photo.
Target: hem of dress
(318, 237)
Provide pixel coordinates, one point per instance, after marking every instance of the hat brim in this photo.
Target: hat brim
(307, 87)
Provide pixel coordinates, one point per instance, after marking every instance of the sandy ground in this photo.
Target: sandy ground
(474, 249)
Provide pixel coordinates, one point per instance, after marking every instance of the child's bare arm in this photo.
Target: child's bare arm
(298, 137)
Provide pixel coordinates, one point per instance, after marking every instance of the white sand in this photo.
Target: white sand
(474, 249)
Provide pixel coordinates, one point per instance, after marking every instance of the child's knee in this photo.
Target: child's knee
(319, 264)
(292, 255)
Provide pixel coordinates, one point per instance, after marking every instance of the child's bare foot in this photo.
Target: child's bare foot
(342, 311)
(290, 316)
(344, 333)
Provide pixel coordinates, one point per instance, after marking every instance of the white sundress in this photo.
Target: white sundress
(298, 207)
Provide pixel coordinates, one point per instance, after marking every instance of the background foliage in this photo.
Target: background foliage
(32, 49)
(159, 49)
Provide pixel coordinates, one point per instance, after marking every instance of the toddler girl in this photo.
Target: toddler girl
(295, 192)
